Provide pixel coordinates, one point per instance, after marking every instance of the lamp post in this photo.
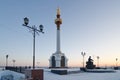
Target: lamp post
(98, 61)
(35, 30)
(14, 62)
(83, 54)
(116, 61)
(7, 60)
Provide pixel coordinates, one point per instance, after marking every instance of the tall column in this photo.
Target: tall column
(58, 22)
(58, 41)
(58, 59)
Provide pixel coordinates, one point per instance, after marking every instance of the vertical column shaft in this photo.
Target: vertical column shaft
(58, 40)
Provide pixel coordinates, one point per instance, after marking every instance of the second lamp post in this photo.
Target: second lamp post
(83, 54)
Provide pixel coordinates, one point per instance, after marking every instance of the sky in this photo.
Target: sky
(90, 26)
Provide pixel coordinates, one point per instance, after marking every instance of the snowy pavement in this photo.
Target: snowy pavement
(75, 76)
(83, 76)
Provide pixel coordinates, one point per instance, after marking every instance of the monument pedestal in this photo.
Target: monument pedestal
(58, 60)
(59, 71)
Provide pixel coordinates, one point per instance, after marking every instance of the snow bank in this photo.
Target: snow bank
(4, 75)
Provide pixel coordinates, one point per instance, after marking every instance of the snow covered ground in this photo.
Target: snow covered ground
(83, 76)
(75, 76)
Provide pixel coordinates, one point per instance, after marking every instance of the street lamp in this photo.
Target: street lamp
(83, 54)
(26, 21)
(116, 61)
(35, 30)
(14, 62)
(7, 60)
(98, 61)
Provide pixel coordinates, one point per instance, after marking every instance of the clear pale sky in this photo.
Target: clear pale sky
(91, 26)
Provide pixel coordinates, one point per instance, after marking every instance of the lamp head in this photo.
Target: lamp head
(41, 28)
(6, 56)
(26, 21)
(98, 57)
(83, 53)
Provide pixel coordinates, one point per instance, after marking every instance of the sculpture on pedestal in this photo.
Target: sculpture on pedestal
(89, 63)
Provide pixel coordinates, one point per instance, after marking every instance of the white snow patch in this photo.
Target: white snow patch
(77, 76)
(16, 76)
(82, 76)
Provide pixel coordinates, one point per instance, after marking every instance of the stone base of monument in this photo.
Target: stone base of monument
(100, 70)
(83, 69)
(34, 74)
(59, 71)
(116, 68)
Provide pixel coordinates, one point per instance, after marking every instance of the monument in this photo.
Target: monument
(89, 63)
(58, 59)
